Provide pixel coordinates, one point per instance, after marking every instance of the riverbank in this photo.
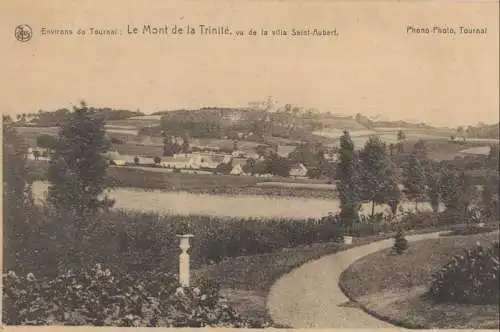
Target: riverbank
(150, 178)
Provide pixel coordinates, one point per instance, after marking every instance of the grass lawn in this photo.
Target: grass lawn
(391, 286)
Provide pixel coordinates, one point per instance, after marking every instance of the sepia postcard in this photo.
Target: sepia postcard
(250, 165)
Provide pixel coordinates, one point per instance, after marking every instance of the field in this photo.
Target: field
(392, 285)
(437, 141)
(30, 134)
(443, 149)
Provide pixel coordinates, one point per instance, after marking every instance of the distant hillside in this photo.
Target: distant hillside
(235, 123)
(399, 124)
(57, 117)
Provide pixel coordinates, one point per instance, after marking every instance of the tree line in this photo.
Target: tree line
(375, 173)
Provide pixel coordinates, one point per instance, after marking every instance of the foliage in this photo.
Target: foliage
(469, 278)
(132, 242)
(186, 144)
(157, 160)
(400, 243)
(401, 135)
(253, 166)
(483, 131)
(97, 296)
(60, 117)
(415, 173)
(277, 165)
(46, 142)
(470, 229)
(77, 171)
(433, 185)
(348, 175)
(170, 146)
(490, 200)
(456, 191)
(493, 155)
(17, 196)
(223, 168)
(377, 173)
(115, 140)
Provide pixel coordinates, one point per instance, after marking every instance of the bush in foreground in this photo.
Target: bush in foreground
(469, 278)
(400, 243)
(101, 298)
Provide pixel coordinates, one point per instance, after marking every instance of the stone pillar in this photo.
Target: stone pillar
(184, 260)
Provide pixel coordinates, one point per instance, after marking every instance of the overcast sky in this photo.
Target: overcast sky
(373, 67)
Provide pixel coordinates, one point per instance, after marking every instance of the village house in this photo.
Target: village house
(331, 156)
(182, 161)
(238, 154)
(212, 160)
(298, 170)
(238, 164)
(38, 154)
(116, 159)
(237, 170)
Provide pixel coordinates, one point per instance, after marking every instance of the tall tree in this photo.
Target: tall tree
(401, 142)
(77, 170)
(46, 142)
(493, 157)
(401, 136)
(490, 198)
(461, 132)
(277, 165)
(377, 173)
(170, 146)
(17, 198)
(348, 176)
(415, 174)
(186, 142)
(456, 191)
(433, 185)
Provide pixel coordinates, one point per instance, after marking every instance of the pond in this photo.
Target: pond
(244, 206)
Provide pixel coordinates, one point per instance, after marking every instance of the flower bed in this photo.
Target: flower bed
(101, 298)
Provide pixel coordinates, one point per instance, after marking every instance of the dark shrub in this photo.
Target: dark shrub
(400, 243)
(469, 278)
(117, 141)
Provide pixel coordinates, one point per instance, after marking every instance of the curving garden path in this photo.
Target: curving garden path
(310, 296)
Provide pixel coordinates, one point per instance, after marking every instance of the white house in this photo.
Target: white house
(238, 154)
(116, 159)
(298, 170)
(212, 160)
(182, 161)
(209, 162)
(237, 170)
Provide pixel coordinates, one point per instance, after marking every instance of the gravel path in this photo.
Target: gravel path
(310, 297)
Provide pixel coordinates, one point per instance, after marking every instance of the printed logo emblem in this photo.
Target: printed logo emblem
(23, 33)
